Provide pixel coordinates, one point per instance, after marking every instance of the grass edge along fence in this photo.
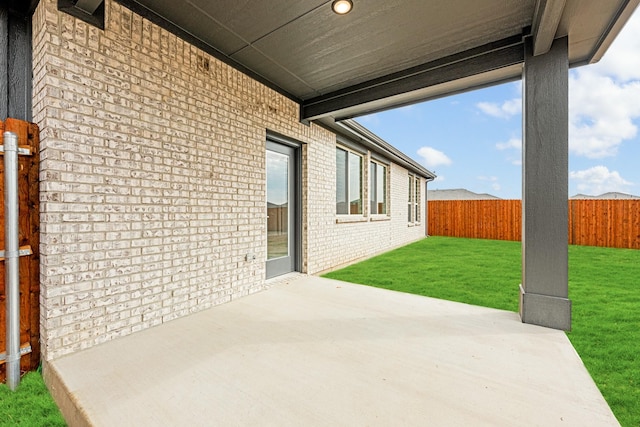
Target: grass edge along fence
(613, 223)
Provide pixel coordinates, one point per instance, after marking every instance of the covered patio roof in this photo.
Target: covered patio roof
(384, 53)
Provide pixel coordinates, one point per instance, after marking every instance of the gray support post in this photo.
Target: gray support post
(11, 258)
(544, 289)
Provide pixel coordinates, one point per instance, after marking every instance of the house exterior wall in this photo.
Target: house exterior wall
(340, 241)
(153, 180)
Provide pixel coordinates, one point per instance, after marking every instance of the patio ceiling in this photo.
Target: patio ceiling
(385, 53)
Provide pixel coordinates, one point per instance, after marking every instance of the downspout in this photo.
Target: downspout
(11, 258)
(426, 204)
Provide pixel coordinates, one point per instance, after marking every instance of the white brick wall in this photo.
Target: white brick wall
(153, 180)
(334, 244)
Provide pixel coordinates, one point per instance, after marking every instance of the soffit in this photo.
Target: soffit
(307, 52)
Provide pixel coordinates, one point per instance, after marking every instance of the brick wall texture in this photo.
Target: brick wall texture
(153, 180)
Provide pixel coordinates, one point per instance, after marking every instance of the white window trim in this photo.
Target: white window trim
(349, 217)
(413, 204)
(387, 192)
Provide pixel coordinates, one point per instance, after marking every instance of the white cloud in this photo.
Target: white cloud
(603, 98)
(371, 119)
(622, 61)
(432, 158)
(407, 109)
(506, 110)
(515, 143)
(512, 144)
(439, 178)
(488, 178)
(598, 180)
(495, 185)
(601, 113)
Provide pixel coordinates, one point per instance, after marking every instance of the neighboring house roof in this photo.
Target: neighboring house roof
(458, 194)
(359, 134)
(609, 195)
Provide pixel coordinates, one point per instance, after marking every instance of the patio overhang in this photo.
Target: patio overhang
(385, 53)
(389, 53)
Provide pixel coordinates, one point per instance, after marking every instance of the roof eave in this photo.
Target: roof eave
(616, 24)
(356, 132)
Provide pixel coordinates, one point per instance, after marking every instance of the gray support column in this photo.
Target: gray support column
(544, 290)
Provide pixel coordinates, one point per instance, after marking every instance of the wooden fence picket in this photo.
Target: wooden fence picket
(592, 222)
(29, 226)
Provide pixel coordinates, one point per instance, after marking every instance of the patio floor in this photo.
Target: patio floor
(317, 352)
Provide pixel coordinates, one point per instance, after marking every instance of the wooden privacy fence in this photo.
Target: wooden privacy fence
(479, 219)
(612, 223)
(28, 237)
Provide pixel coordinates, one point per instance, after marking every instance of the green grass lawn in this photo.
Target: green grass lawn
(604, 285)
(30, 405)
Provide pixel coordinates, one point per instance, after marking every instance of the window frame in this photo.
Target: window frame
(373, 193)
(414, 211)
(347, 173)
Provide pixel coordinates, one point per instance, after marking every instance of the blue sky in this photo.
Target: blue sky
(473, 140)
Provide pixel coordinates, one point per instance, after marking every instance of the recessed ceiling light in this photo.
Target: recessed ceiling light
(342, 7)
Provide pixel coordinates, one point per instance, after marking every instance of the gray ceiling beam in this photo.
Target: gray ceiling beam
(546, 19)
(483, 59)
(88, 6)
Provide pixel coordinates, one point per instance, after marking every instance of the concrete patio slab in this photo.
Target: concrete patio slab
(318, 352)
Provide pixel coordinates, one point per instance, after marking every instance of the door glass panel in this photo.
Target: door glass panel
(277, 205)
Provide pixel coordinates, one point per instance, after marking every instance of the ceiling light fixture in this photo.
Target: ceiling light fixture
(342, 7)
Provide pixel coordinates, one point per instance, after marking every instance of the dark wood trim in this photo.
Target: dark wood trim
(15, 64)
(489, 57)
(22, 7)
(20, 70)
(4, 66)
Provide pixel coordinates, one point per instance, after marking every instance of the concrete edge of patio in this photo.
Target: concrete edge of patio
(67, 402)
(312, 351)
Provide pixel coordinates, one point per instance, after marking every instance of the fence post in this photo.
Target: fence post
(11, 256)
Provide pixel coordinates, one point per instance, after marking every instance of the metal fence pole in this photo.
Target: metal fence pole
(12, 261)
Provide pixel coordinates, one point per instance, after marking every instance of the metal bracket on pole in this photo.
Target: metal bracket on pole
(24, 349)
(23, 251)
(12, 264)
(25, 151)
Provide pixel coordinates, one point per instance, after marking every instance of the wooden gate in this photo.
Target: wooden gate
(28, 238)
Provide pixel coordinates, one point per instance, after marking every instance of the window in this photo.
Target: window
(413, 205)
(410, 199)
(417, 201)
(377, 188)
(348, 182)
